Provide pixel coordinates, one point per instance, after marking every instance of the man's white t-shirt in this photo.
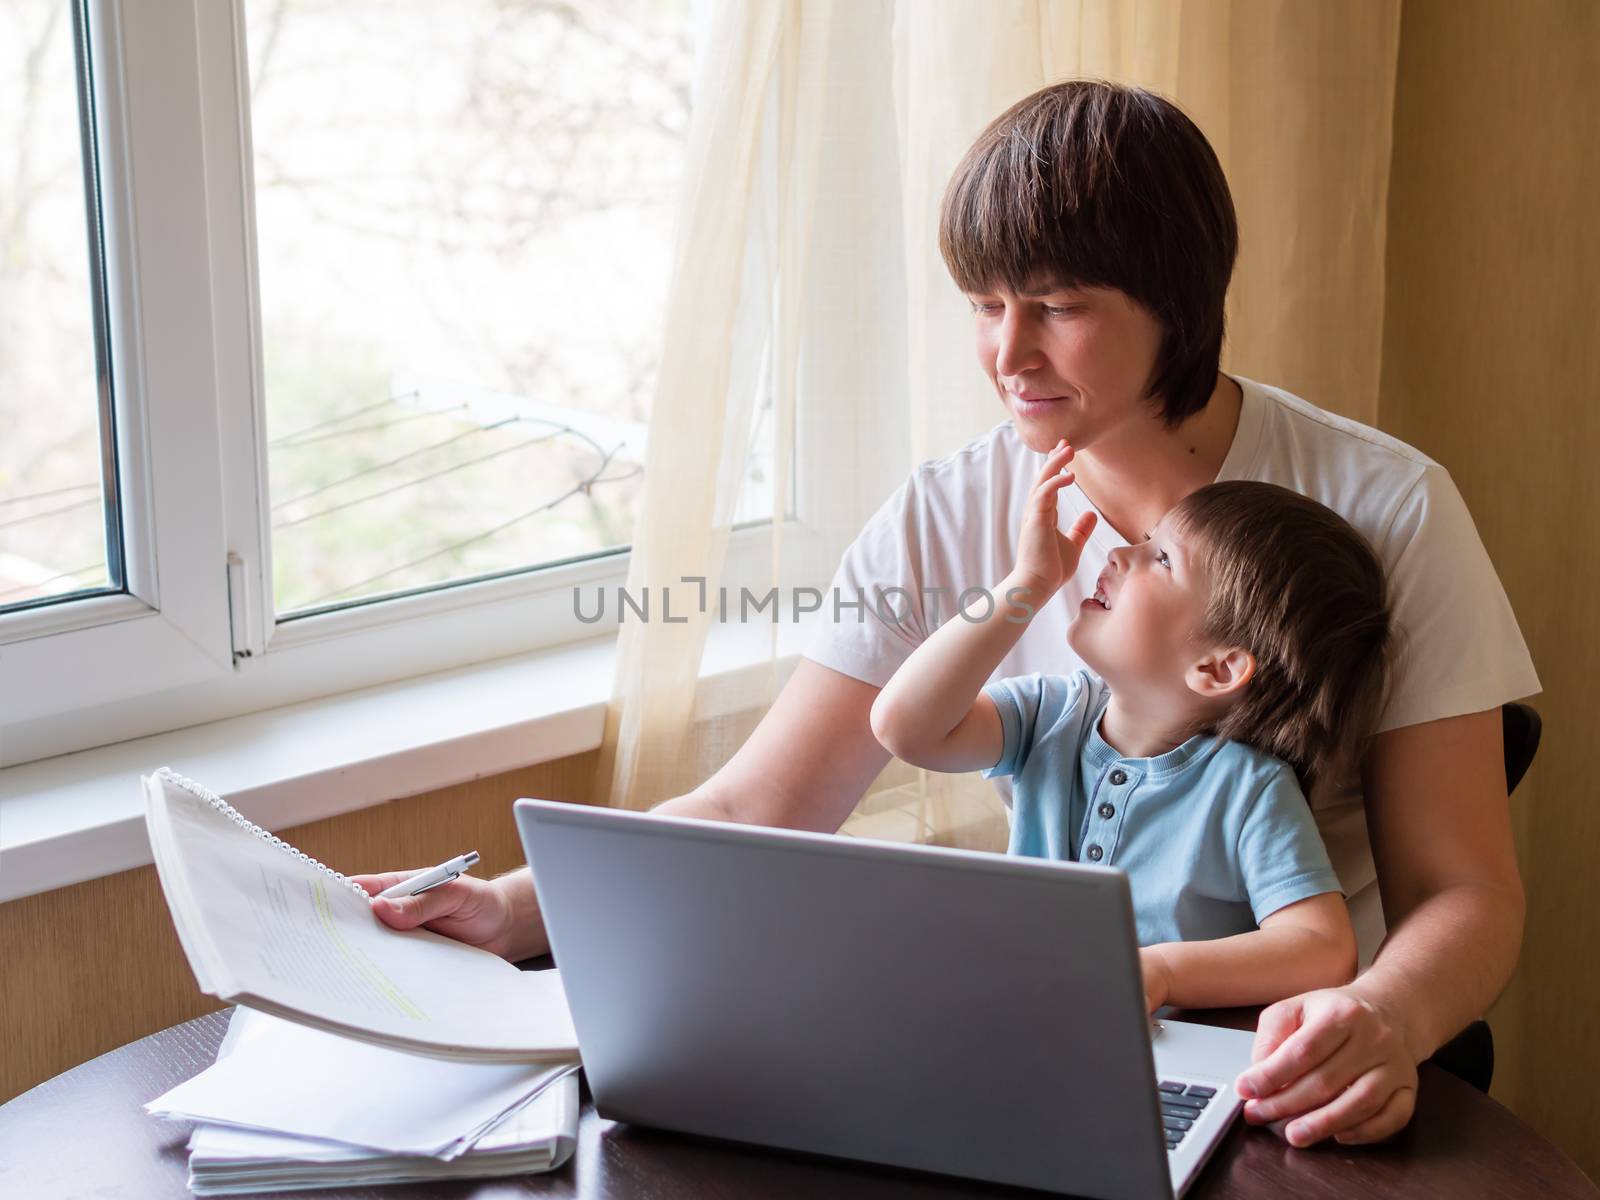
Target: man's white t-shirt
(953, 525)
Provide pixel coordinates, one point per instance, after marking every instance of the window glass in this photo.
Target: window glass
(464, 229)
(58, 527)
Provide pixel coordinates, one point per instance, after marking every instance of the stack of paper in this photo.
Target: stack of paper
(286, 1106)
(226, 1162)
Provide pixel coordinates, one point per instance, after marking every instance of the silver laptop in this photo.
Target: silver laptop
(943, 1010)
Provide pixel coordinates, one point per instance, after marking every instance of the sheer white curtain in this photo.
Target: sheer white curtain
(809, 300)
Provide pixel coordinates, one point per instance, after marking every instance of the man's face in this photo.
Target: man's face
(1067, 362)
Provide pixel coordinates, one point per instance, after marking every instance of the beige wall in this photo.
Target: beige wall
(89, 967)
(1492, 366)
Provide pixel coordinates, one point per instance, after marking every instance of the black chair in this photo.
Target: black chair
(1522, 728)
(1470, 1054)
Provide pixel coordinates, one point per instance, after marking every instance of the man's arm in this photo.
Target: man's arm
(1342, 1062)
(806, 766)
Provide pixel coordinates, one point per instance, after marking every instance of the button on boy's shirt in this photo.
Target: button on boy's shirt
(1215, 836)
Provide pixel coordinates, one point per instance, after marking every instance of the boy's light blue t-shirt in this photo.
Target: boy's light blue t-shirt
(1215, 836)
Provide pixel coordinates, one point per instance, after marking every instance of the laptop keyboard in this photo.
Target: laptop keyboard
(1180, 1107)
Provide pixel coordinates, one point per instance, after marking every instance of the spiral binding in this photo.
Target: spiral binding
(199, 791)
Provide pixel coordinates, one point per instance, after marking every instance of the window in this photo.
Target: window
(340, 325)
(464, 232)
(159, 617)
(60, 532)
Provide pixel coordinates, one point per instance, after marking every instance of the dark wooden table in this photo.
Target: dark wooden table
(84, 1134)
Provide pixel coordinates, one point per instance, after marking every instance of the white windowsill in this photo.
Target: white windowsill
(81, 816)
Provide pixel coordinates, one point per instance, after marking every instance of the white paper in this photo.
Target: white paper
(534, 1130)
(539, 1136)
(288, 1078)
(262, 925)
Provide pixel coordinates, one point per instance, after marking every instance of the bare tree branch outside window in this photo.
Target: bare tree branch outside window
(465, 230)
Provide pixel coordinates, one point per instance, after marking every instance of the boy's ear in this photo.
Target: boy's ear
(1221, 673)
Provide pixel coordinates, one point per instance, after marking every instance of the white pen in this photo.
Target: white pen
(431, 878)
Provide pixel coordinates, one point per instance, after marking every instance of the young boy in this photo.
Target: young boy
(1243, 642)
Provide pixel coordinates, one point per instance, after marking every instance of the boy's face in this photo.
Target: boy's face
(1139, 630)
(1067, 363)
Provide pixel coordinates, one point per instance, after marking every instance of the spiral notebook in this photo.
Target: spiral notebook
(269, 927)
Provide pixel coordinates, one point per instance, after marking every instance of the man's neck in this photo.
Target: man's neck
(1137, 472)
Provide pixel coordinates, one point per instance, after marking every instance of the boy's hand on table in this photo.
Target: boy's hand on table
(1157, 977)
(1329, 1063)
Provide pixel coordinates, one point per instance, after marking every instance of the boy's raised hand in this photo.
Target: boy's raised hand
(1046, 557)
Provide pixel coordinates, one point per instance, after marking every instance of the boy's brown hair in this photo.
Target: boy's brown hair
(1294, 584)
(1101, 185)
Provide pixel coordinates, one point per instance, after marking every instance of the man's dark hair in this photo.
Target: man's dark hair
(1294, 584)
(1102, 185)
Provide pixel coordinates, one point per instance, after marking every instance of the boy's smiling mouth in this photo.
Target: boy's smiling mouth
(1101, 596)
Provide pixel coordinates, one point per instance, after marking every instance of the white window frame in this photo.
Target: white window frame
(171, 626)
(195, 638)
